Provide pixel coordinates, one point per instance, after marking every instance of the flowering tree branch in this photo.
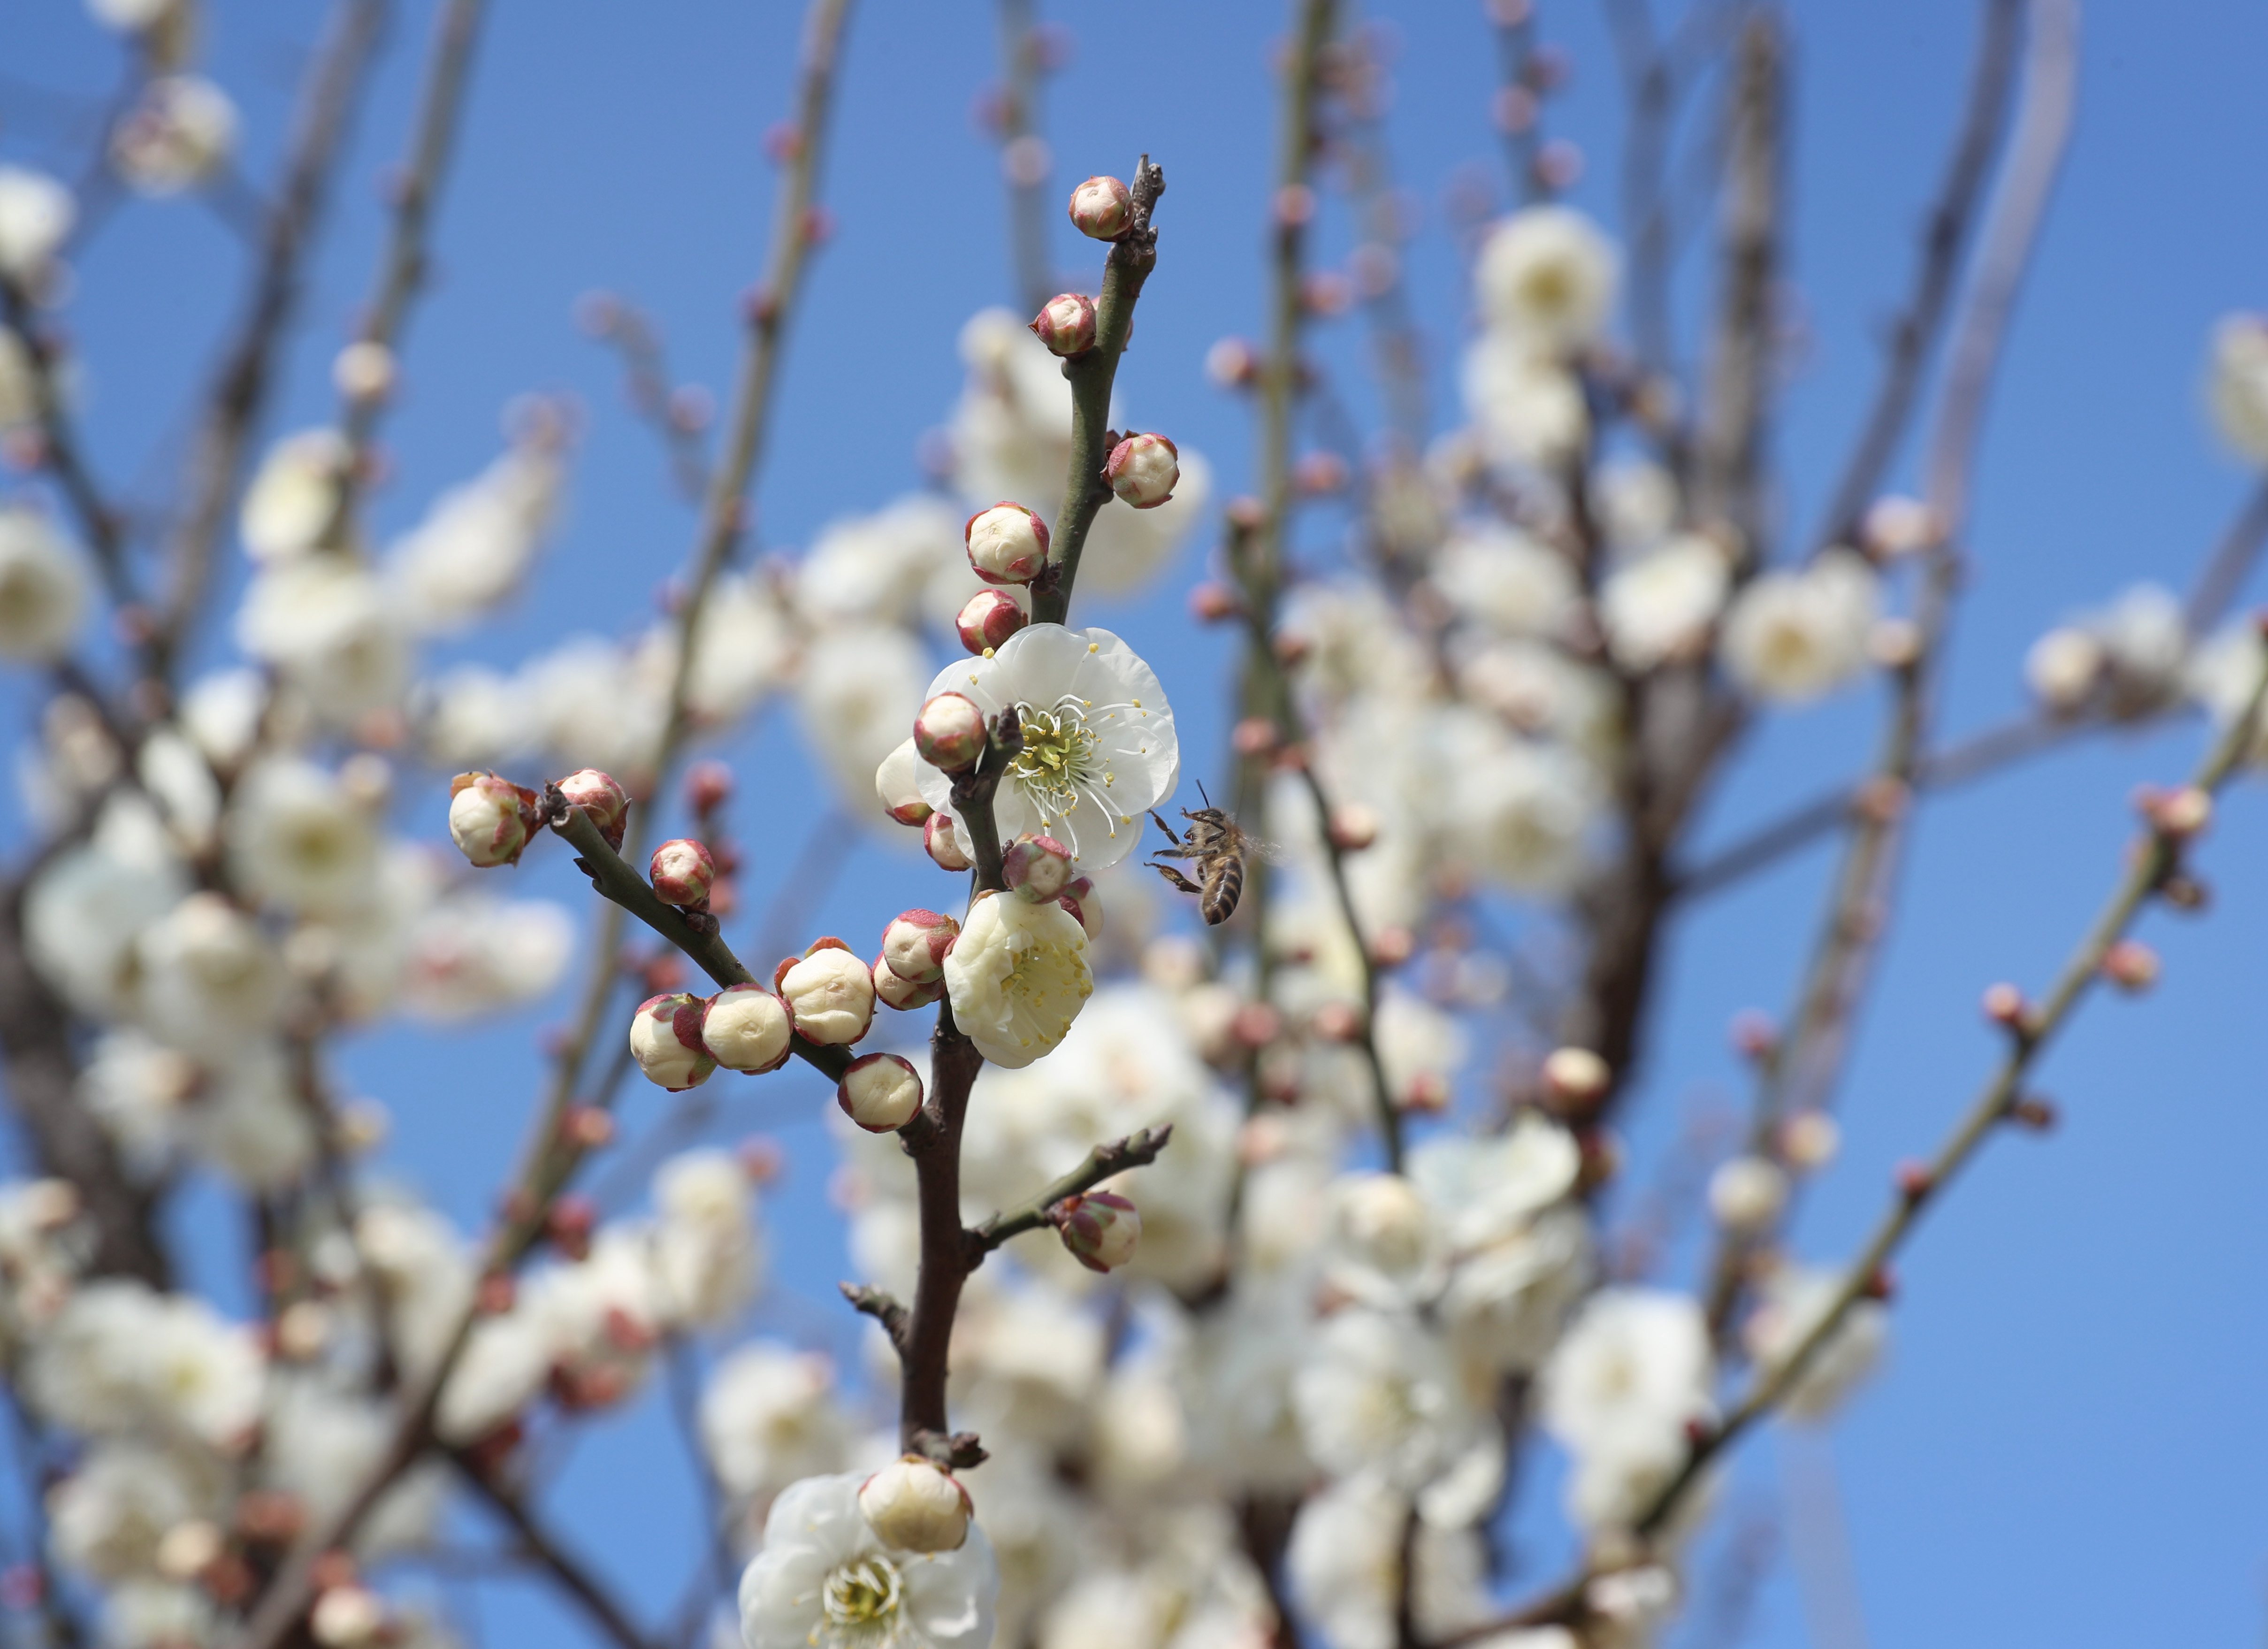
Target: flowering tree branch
(1136, 1150)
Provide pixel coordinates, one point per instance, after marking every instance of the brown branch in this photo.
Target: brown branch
(1515, 49)
(2232, 560)
(1023, 52)
(102, 525)
(565, 1571)
(1091, 375)
(1913, 340)
(945, 1259)
(1136, 1150)
(652, 395)
(240, 393)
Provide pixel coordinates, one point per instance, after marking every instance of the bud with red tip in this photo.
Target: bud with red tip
(949, 732)
(1103, 208)
(942, 843)
(1914, 1180)
(604, 800)
(880, 1093)
(914, 1505)
(1036, 867)
(1101, 1229)
(1066, 324)
(830, 991)
(489, 819)
(1576, 1076)
(897, 782)
(990, 618)
(1079, 897)
(2004, 1005)
(747, 1028)
(1007, 544)
(915, 944)
(665, 1041)
(1143, 469)
(2179, 814)
(2131, 966)
(2033, 1112)
(708, 786)
(682, 871)
(1212, 602)
(902, 994)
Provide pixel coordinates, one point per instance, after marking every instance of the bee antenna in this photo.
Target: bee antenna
(1200, 791)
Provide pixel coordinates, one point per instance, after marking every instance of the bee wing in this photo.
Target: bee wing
(1260, 848)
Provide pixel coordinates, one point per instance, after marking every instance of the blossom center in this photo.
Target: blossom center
(863, 1593)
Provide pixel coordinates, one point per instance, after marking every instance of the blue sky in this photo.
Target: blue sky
(2066, 1445)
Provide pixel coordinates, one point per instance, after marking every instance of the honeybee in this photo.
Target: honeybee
(1217, 845)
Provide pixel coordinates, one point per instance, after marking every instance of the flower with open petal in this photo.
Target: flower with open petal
(825, 1580)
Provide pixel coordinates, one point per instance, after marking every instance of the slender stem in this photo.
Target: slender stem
(945, 1259)
(1136, 1150)
(645, 377)
(1515, 46)
(100, 524)
(1022, 149)
(1132, 258)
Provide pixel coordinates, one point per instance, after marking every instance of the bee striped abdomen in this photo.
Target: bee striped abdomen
(1222, 889)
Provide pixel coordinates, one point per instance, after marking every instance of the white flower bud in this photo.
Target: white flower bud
(1808, 1140)
(898, 784)
(682, 871)
(915, 1506)
(489, 819)
(364, 371)
(1103, 207)
(915, 943)
(904, 993)
(176, 137)
(42, 593)
(1747, 1194)
(990, 618)
(1142, 470)
(1384, 1220)
(747, 1028)
(1007, 544)
(1066, 324)
(347, 1617)
(949, 733)
(880, 1092)
(1101, 1229)
(597, 794)
(2062, 668)
(830, 992)
(1038, 867)
(190, 1548)
(1577, 1075)
(942, 845)
(665, 1041)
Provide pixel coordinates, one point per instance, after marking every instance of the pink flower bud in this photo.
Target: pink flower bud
(949, 732)
(1085, 906)
(989, 619)
(902, 994)
(1143, 469)
(1066, 324)
(880, 1092)
(606, 801)
(913, 1505)
(897, 782)
(1007, 544)
(1103, 207)
(942, 843)
(747, 1028)
(1037, 867)
(681, 872)
(1099, 1229)
(830, 992)
(2131, 965)
(489, 819)
(665, 1041)
(708, 786)
(915, 943)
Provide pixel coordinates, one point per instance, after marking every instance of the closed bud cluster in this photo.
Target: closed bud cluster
(913, 1505)
(989, 619)
(1101, 1229)
(1007, 544)
(1038, 867)
(489, 819)
(1143, 469)
(683, 872)
(949, 732)
(747, 1028)
(897, 782)
(880, 1092)
(941, 844)
(1747, 1195)
(915, 944)
(1066, 324)
(1103, 207)
(1576, 1076)
(904, 993)
(830, 991)
(665, 1041)
(2131, 966)
(599, 796)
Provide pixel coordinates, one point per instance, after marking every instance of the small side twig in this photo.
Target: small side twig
(1136, 1150)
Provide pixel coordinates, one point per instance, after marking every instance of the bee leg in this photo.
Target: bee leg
(1180, 882)
(1169, 829)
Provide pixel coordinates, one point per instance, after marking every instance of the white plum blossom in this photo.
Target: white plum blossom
(1100, 748)
(857, 693)
(1017, 977)
(325, 622)
(106, 1518)
(1344, 1568)
(824, 1580)
(1795, 1301)
(1526, 407)
(293, 498)
(178, 135)
(1546, 276)
(1506, 581)
(1656, 607)
(43, 593)
(209, 977)
(477, 541)
(1619, 1392)
(1379, 1392)
(300, 836)
(1795, 635)
(122, 1356)
(2237, 385)
(769, 1416)
(36, 214)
